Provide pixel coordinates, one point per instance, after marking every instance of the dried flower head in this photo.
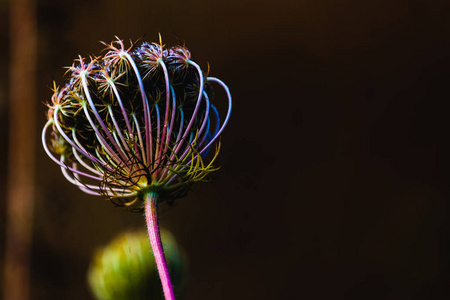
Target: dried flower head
(135, 121)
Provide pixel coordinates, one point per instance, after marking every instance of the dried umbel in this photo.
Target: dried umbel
(135, 121)
(136, 125)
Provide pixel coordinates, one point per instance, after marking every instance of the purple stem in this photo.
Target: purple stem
(147, 115)
(166, 116)
(155, 159)
(172, 120)
(151, 215)
(101, 122)
(197, 106)
(224, 86)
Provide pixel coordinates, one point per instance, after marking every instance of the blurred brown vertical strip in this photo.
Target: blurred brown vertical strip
(20, 196)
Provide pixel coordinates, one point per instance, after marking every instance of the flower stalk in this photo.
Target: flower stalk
(151, 216)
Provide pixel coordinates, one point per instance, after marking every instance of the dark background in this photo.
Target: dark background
(334, 166)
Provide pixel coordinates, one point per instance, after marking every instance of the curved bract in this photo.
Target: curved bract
(135, 121)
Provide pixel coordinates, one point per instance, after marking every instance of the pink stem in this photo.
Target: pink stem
(151, 215)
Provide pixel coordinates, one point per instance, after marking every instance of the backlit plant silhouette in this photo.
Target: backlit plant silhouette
(136, 125)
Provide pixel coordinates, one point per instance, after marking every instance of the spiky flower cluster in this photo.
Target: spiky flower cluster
(135, 121)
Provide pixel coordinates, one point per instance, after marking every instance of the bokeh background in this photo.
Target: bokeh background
(334, 167)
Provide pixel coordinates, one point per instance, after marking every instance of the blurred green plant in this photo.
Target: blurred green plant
(126, 268)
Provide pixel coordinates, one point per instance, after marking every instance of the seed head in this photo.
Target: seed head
(135, 120)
